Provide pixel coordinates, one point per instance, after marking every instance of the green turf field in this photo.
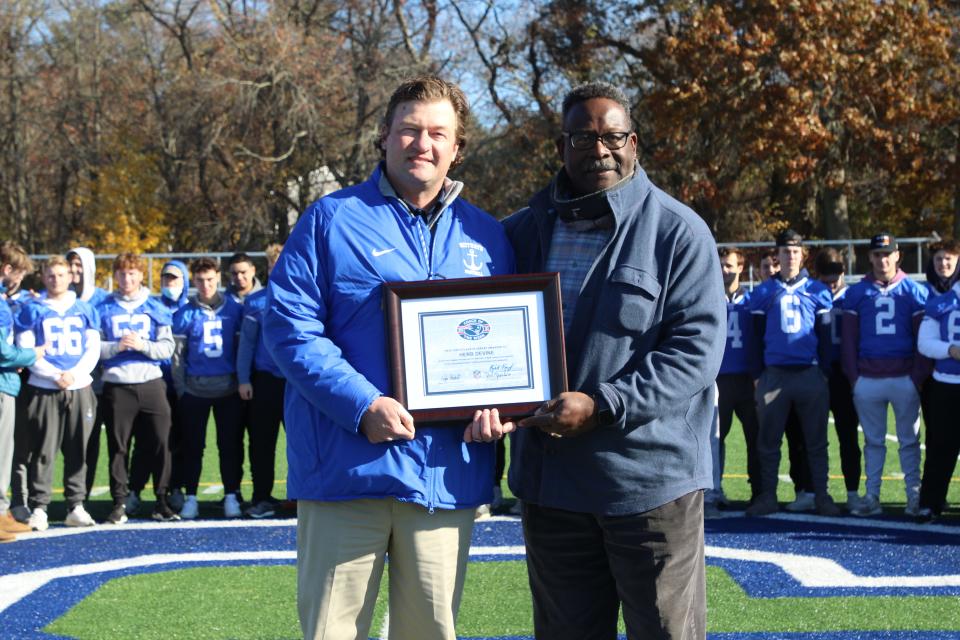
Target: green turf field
(190, 603)
(496, 603)
(734, 483)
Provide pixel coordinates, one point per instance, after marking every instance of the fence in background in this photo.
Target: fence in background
(913, 257)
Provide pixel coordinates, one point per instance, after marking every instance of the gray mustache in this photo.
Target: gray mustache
(599, 165)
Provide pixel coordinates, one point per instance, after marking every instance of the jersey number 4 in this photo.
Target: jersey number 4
(734, 332)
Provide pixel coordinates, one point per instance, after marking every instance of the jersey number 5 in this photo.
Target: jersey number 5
(212, 346)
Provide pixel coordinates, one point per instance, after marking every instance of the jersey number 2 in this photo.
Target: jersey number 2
(885, 312)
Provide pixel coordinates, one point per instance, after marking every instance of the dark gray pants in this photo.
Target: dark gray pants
(144, 404)
(806, 391)
(58, 421)
(583, 566)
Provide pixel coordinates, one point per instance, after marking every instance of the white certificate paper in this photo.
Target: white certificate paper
(475, 349)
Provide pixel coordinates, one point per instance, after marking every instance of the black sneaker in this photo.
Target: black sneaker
(263, 509)
(163, 513)
(118, 515)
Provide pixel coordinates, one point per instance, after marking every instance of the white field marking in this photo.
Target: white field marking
(212, 489)
(16, 586)
(811, 571)
(98, 491)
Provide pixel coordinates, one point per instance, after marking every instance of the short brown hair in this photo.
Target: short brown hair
(770, 253)
(429, 89)
(14, 255)
(56, 261)
(204, 264)
(948, 245)
(829, 262)
(733, 251)
(129, 260)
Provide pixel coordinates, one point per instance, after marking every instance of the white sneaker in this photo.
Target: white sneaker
(190, 508)
(913, 507)
(482, 512)
(78, 517)
(870, 506)
(804, 502)
(231, 507)
(38, 520)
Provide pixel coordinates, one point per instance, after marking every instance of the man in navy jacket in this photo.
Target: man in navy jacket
(369, 481)
(612, 474)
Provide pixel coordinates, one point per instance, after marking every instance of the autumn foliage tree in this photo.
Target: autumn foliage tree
(815, 113)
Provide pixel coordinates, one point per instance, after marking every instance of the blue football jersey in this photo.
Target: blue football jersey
(886, 316)
(791, 312)
(254, 306)
(211, 336)
(65, 334)
(739, 331)
(945, 309)
(118, 318)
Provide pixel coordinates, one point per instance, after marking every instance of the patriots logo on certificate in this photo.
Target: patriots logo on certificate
(473, 329)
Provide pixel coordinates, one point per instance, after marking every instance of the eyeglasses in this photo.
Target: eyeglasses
(587, 140)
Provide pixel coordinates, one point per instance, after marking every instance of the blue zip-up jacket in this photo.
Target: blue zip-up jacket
(324, 326)
(12, 357)
(648, 335)
(252, 352)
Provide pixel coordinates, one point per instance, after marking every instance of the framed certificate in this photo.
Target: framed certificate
(473, 343)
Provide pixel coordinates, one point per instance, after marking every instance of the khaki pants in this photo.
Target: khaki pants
(341, 547)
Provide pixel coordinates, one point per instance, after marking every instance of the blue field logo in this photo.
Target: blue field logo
(473, 329)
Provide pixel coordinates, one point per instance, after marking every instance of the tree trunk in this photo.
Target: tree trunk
(833, 202)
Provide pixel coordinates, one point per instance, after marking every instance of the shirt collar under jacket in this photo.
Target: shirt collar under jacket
(897, 277)
(451, 189)
(736, 296)
(803, 274)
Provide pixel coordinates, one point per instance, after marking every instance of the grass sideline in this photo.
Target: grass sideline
(734, 483)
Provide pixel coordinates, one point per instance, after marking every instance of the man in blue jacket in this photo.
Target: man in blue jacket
(368, 481)
(612, 475)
